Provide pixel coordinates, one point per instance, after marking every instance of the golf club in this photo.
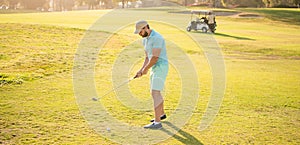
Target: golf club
(126, 82)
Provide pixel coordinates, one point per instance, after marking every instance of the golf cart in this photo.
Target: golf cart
(200, 23)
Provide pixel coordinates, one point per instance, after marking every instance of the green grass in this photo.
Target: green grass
(290, 16)
(76, 19)
(260, 36)
(37, 50)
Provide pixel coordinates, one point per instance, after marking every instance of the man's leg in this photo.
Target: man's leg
(158, 104)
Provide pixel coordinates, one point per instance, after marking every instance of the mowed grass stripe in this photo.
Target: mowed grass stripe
(74, 19)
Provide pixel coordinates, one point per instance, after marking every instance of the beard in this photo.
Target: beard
(145, 34)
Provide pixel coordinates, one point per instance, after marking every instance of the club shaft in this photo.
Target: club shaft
(122, 84)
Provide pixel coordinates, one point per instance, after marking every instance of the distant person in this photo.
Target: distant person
(211, 22)
(204, 19)
(156, 60)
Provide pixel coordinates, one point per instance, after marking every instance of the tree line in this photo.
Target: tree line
(259, 3)
(59, 5)
(245, 3)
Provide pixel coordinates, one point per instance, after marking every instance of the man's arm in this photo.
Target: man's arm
(139, 73)
(152, 61)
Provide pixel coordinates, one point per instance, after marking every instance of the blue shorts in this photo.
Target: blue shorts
(158, 76)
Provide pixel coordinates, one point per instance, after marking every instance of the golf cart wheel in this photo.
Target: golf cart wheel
(204, 30)
(188, 29)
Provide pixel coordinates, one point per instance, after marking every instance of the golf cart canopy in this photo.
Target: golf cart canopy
(198, 13)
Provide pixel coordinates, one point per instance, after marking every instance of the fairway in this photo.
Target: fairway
(46, 60)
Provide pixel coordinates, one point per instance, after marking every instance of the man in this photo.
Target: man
(156, 59)
(211, 22)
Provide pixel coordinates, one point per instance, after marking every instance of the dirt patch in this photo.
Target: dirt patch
(248, 15)
(217, 13)
(223, 13)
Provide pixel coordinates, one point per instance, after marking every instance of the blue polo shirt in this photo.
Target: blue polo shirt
(160, 69)
(155, 40)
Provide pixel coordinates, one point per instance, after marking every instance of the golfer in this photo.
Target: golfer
(211, 22)
(156, 59)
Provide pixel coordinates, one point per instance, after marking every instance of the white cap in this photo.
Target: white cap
(139, 25)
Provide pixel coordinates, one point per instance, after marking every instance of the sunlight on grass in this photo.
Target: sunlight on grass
(73, 19)
(261, 104)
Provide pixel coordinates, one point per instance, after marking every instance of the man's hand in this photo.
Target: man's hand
(138, 74)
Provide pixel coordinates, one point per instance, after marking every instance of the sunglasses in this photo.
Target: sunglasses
(142, 29)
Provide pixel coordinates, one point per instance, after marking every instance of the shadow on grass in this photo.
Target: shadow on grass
(290, 16)
(236, 37)
(223, 35)
(186, 139)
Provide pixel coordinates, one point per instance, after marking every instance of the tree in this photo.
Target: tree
(216, 3)
(297, 3)
(108, 4)
(92, 4)
(2, 2)
(13, 3)
(33, 4)
(68, 4)
(275, 3)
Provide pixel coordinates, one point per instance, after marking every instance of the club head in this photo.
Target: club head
(95, 99)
